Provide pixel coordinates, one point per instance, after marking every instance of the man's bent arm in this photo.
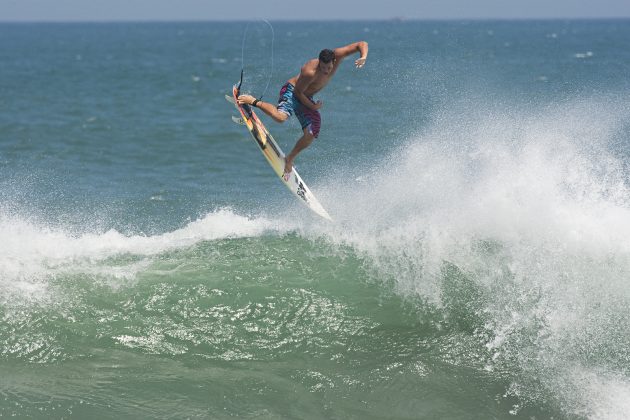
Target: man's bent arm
(303, 82)
(306, 101)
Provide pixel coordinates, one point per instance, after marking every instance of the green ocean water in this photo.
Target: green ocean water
(152, 266)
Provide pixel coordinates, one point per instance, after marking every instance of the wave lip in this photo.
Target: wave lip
(29, 253)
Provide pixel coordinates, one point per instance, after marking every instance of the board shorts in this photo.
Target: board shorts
(289, 104)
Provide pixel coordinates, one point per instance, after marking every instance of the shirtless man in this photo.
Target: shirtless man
(296, 96)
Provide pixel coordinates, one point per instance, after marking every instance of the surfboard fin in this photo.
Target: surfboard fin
(230, 99)
(238, 120)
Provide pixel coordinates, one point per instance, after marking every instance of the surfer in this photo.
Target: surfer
(296, 96)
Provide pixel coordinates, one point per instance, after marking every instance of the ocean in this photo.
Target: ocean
(478, 265)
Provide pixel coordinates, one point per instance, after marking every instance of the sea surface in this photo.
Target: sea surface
(478, 266)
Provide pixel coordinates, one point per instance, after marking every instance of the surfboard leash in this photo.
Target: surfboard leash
(273, 36)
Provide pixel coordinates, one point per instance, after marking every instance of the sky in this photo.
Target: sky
(176, 10)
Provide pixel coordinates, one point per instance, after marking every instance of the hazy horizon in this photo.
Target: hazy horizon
(34, 11)
(132, 20)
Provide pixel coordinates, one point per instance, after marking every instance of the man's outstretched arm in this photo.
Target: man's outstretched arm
(360, 47)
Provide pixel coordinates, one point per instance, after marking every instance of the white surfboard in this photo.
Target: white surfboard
(274, 155)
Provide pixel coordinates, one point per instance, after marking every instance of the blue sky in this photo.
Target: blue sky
(108, 10)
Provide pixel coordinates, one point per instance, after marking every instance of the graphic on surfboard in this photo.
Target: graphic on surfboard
(274, 154)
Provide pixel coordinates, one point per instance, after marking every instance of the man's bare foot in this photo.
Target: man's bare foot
(288, 165)
(245, 99)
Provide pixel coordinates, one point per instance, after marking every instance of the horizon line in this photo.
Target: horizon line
(288, 20)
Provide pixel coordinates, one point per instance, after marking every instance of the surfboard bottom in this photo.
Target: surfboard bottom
(274, 155)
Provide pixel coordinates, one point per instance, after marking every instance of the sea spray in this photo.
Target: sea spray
(516, 225)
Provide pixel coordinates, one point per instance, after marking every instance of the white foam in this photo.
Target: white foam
(533, 208)
(609, 398)
(29, 252)
(597, 395)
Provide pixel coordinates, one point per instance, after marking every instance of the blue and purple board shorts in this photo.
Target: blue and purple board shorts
(289, 104)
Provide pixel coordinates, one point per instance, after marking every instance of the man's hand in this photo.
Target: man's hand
(359, 63)
(245, 99)
(317, 105)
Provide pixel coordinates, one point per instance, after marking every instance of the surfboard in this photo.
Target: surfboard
(274, 155)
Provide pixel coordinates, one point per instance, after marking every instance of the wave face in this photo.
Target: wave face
(503, 234)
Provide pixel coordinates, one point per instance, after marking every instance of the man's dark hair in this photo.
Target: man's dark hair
(326, 56)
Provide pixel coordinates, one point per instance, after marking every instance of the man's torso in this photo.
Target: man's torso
(320, 81)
